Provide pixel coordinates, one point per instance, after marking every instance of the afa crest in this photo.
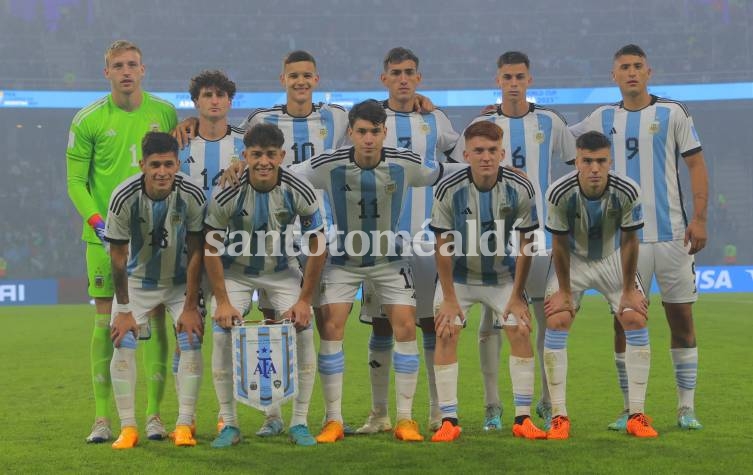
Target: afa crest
(539, 136)
(654, 127)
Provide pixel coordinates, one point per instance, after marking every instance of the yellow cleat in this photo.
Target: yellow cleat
(331, 432)
(183, 436)
(171, 435)
(407, 430)
(127, 439)
(447, 433)
(528, 430)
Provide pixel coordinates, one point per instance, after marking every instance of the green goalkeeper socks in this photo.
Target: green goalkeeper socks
(155, 364)
(101, 354)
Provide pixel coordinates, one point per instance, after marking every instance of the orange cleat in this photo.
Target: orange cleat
(331, 432)
(127, 439)
(528, 430)
(447, 432)
(407, 430)
(560, 428)
(639, 425)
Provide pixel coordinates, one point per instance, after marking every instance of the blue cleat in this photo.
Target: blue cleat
(300, 435)
(620, 425)
(544, 411)
(272, 426)
(493, 419)
(686, 419)
(228, 437)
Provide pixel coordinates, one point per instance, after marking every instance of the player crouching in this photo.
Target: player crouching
(154, 227)
(475, 210)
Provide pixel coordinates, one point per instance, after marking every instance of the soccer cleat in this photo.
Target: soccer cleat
(127, 439)
(272, 426)
(639, 425)
(375, 424)
(220, 424)
(544, 411)
(101, 431)
(331, 432)
(155, 429)
(620, 424)
(493, 418)
(171, 435)
(300, 435)
(560, 428)
(527, 430)
(183, 436)
(686, 419)
(447, 433)
(435, 418)
(228, 437)
(407, 430)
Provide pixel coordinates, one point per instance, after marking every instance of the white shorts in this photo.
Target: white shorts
(603, 275)
(392, 281)
(282, 290)
(293, 263)
(538, 275)
(673, 267)
(494, 297)
(424, 279)
(143, 301)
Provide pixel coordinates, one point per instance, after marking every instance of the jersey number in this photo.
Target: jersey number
(373, 204)
(518, 159)
(215, 179)
(159, 238)
(631, 144)
(306, 152)
(134, 155)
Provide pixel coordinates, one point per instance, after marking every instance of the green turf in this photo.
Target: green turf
(47, 408)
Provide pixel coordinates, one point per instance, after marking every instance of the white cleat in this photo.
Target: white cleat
(375, 424)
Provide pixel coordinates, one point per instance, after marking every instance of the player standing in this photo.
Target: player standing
(593, 212)
(649, 136)
(535, 138)
(103, 150)
(268, 202)
(475, 211)
(431, 136)
(154, 227)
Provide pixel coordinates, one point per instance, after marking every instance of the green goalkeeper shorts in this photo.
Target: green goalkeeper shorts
(99, 271)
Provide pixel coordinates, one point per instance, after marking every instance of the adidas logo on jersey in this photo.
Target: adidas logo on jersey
(243, 212)
(190, 159)
(613, 131)
(346, 188)
(467, 211)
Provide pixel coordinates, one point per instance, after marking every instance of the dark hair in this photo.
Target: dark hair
(370, 110)
(264, 135)
(513, 57)
(483, 128)
(632, 50)
(214, 78)
(398, 55)
(593, 140)
(158, 142)
(298, 56)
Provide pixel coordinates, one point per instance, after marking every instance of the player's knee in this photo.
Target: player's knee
(188, 344)
(559, 321)
(632, 320)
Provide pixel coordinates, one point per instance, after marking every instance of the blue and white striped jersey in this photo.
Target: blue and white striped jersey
(646, 146)
(431, 136)
(204, 160)
(246, 214)
(367, 201)
(484, 221)
(155, 229)
(532, 143)
(594, 225)
(325, 128)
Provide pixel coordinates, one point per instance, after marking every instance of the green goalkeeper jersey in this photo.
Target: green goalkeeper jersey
(104, 148)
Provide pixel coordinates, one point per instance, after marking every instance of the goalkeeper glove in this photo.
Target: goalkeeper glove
(98, 225)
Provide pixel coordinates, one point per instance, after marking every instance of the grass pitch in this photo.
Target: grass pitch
(47, 407)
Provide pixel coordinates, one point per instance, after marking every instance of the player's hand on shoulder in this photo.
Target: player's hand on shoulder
(232, 174)
(516, 170)
(190, 322)
(185, 131)
(121, 325)
(422, 104)
(489, 108)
